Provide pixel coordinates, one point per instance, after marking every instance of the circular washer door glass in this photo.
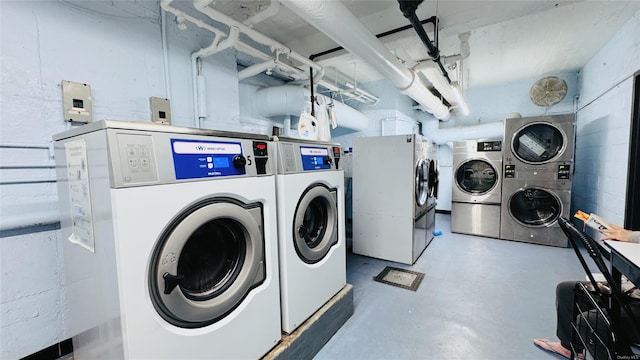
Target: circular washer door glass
(422, 182)
(537, 143)
(476, 177)
(207, 261)
(315, 223)
(534, 207)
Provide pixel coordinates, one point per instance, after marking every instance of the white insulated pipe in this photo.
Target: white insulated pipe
(203, 7)
(338, 23)
(199, 84)
(289, 100)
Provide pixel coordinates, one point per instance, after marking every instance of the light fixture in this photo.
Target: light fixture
(461, 104)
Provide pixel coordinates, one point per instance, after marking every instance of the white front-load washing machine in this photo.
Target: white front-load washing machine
(310, 192)
(170, 242)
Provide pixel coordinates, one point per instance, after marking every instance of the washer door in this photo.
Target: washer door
(433, 179)
(534, 207)
(207, 261)
(315, 223)
(422, 182)
(476, 177)
(538, 143)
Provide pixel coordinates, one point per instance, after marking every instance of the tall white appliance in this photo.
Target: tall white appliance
(311, 227)
(477, 187)
(170, 242)
(538, 169)
(393, 218)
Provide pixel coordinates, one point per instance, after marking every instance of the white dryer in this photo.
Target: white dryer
(310, 192)
(170, 242)
(393, 213)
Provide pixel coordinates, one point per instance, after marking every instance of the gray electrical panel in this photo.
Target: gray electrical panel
(76, 101)
(160, 110)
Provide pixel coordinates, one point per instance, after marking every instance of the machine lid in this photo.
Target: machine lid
(538, 143)
(534, 206)
(422, 182)
(315, 223)
(207, 261)
(476, 176)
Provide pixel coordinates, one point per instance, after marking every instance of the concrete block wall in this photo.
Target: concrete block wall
(603, 125)
(120, 56)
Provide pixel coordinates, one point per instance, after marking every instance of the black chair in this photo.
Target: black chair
(596, 328)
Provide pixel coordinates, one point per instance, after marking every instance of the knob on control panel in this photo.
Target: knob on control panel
(239, 161)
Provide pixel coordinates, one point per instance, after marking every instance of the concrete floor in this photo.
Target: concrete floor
(481, 298)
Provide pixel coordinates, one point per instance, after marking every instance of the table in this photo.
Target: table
(625, 260)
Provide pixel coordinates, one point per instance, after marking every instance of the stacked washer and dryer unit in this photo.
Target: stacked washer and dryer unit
(477, 187)
(538, 168)
(394, 196)
(170, 242)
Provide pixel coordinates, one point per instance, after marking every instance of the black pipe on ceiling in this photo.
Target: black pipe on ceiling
(408, 8)
(433, 20)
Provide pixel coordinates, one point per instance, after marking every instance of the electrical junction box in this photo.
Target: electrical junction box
(160, 110)
(76, 101)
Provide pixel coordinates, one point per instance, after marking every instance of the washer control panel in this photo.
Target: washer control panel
(137, 159)
(301, 157)
(194, 159)
(157, 158)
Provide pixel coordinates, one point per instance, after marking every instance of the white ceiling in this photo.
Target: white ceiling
(510, 40)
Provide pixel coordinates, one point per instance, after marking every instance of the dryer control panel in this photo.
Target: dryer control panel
(489, 146)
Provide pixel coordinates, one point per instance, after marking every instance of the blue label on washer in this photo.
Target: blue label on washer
(194, 159)
(314, 158)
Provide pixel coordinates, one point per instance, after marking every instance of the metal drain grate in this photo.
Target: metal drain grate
(402, 278)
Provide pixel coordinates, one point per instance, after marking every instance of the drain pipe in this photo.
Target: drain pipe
(196, 69)
(336, 21)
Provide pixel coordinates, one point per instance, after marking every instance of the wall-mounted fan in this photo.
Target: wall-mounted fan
(548, 91)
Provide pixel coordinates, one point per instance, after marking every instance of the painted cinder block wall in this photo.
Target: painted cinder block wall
(603, 125)
(45, 42)
(121, 58)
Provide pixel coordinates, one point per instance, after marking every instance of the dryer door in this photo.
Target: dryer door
(534, 206)
(315, 223)
(538, 143)
(207, 261)
(476, 177)
(422, 182)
